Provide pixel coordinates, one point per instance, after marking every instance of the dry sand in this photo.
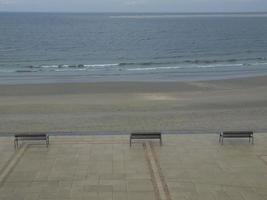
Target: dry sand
(206, 106)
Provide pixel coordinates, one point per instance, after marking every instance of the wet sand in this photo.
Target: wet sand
(206, 106)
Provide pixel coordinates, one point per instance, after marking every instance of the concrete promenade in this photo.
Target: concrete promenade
(185, 167)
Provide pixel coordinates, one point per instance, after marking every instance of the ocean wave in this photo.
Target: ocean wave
(102, 65)
(141, 63)
(64, 70)
(259, 63)
(195, 62)
(185, 67)
(69, 66)
(143, 66)
(213, 61)
(219, 62)
(220, 65)
(152, 68)
(91, 66)
(46, 66)
(25, 71)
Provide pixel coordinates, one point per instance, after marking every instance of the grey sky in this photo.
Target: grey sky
(135, 5)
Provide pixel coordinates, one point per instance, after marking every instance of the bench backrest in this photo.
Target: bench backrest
(237, 133)
(151, 134)
(30, 135)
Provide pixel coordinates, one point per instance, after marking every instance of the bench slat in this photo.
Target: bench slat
(236, 134)
(145, 135)
(24, 137)
(29, 135)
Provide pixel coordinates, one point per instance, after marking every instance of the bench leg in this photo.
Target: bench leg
(15, 143)
(47, 141)
(160, 140)
(221, 138)
(130, 142)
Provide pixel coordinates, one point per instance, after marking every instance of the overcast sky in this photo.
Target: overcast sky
(134, 5)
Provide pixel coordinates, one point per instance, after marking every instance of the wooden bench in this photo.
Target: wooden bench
(237, 134)
(145, 135)
(22, 137)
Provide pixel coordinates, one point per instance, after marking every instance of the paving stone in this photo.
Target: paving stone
(144, 185)
(192, 167)
(119, 195)
(141, 195)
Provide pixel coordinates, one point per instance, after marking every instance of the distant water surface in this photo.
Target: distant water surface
(50, 47)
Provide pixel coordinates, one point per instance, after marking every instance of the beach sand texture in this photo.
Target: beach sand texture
(131, 106)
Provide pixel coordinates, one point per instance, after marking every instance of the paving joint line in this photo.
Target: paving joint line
(88, 142)
(162, 177)
(160, 187)
(11, 164)
(152, 175)
(261, 157)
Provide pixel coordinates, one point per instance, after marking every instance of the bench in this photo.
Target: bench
(236, 134)
(31, 137)
(145, 135)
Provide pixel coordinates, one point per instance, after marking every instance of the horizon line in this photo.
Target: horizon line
(136, 12)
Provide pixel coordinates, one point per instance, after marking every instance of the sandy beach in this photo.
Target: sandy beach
(205, 106)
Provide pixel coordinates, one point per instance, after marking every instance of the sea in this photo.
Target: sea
(99, 47)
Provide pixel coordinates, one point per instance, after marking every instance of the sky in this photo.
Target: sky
(134, 5)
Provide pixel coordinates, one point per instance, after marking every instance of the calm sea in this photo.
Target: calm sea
(49, 47)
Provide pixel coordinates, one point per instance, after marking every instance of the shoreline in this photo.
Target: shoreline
(46, 79)
(105, 86)
(130, 106)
